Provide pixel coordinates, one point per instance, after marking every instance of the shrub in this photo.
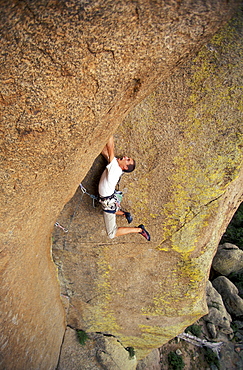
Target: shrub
(234, 232)
(82, 337)
(237, 279)
(175, 361)
(194, 329)
(131, 352)
(211, 357)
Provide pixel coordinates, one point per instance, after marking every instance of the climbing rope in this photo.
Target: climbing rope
(84, 191)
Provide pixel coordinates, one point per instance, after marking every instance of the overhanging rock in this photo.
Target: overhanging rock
(187, 140)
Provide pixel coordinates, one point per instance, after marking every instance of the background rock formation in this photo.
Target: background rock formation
(70, 72)
(228, 259)
(217, 316)
(232, 301)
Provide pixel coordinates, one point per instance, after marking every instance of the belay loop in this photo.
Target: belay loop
(112, 204)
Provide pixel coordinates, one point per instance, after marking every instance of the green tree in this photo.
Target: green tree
(175, 361)
(234, 231)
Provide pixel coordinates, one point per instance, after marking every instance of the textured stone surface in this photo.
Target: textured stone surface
(186, 186)
(151, 362)
(98, 352)
(76, 356)
(70, 72)
(218, 319)
(229, 293)
(113, 356)
(228, 259)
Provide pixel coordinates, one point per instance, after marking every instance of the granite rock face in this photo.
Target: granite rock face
(70, 72)
(186, 186)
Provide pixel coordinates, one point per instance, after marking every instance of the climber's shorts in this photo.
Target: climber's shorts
(110, 224)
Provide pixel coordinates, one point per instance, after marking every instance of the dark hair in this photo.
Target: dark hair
(131, 167)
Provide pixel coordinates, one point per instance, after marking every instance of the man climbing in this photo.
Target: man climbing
(110, 199)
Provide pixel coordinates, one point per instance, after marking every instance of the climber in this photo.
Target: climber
(110, 199)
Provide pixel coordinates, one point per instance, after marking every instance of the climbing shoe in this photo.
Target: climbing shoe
(144, 232)
(128, 217)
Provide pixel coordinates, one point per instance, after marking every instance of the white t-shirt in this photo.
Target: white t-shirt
(109, 178)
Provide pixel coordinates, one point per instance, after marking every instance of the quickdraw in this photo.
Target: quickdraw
(61, 227)
(93, 197)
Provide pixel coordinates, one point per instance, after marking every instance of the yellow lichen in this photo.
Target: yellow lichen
(101, 317)
(198, 181)
(207, 159)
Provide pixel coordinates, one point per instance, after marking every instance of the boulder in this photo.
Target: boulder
(113, 356)
(152, 361)
(97, 352)
(212, 330)
(217, 319)
(229, 293)
(228, 259)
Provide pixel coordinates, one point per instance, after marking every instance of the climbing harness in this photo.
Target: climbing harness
(61, 227)
(111, 204)
(93, 197)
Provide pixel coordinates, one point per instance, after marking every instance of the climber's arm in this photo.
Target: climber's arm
(105, 153)
(108, 151)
